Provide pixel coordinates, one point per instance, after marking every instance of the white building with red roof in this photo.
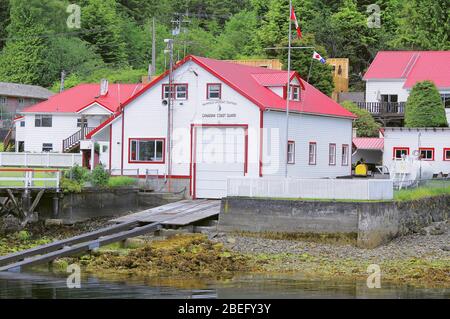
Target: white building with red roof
(61, 122)
(392, 75)
(226, 120)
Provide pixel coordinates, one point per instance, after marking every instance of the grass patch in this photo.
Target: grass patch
(421, 192)
(121, 181)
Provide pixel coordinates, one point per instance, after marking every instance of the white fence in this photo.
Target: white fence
(40, 159)
(28, 178)
(357, 189)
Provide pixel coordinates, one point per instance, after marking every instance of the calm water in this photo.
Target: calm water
(49, 286)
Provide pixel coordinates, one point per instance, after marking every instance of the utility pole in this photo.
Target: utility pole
(63, 76)
(169, 50)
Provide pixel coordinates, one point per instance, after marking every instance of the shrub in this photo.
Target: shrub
(365, 124)
(424, 107)
(121, 181)
(99, 176)
(78, 173)
(71, 186)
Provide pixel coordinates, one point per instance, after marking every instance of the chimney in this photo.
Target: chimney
(103, 87)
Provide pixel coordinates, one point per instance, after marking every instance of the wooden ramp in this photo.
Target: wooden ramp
(180, 213)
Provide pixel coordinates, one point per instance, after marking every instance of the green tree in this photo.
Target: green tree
(101, 24)
(301, 61)
(4, 21)
(424, 107)
(365, 124)
(424, 25)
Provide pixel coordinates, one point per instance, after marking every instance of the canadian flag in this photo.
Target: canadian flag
(297, 27)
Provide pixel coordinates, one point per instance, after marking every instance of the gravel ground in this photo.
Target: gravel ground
(432, 247)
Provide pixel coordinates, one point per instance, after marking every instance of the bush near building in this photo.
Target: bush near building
(365, 124)
(424, 107)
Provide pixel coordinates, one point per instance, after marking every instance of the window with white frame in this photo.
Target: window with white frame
(312, 153)
(291, 152)
(295, 93)
(446, 100)
(427, 154)
(21, 101)
(345, 154)
(332, 154)
(47, 147)
(147, 150)
(179, 91)
(3, 100)
(44, 120)
(22, 123)
(214, 91)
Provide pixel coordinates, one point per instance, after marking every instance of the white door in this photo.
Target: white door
(104, 154)
(219, 153)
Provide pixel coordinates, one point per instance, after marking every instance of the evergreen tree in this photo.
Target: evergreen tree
(4, 21)
(101, 24)
(424, 25)
(424, 107)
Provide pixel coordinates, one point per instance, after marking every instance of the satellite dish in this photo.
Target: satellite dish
(164, 102)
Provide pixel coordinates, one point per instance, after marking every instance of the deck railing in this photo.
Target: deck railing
(76, 137)
(29, 178)
(383, 107)
(40, 159)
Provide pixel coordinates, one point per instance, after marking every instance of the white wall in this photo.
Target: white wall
(63, 126)
(304, 129)
(385, 87)
(438, 140)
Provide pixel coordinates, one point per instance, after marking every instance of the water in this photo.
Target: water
(52, 286)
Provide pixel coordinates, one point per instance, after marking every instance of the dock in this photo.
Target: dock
(180, 213)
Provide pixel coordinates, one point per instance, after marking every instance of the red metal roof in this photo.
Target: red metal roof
(368, 143)
(240, 77)
(81, 96)
(413, 66)
(272, 79)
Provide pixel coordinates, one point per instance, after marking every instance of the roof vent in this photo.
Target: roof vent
(103, 87)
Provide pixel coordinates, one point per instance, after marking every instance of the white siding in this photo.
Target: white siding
(385, 87)
(438, 140)
(146, 117)
(63, 126)
(304, 129)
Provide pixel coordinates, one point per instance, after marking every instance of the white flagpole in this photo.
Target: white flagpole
(288, 90)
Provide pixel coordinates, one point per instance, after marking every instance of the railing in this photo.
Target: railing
(28, 178)
(40, 159)
(383, 107)
(308, 188)
(75, 138)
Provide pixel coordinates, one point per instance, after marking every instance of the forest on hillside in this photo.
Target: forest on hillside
(41, 38)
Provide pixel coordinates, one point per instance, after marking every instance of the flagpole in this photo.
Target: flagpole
(309, 72)
(288, 90)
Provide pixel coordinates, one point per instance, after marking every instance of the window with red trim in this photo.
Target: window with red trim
(399, 152)
(291, 152)
(426, 153)
(214, 91)
(332, 154)
(147, 150)
(179, 91)
(446, 154)
(345, 155)
(295, 93)
(312, 153)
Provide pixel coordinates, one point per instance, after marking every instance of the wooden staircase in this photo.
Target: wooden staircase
(8, 139)
(73, 141)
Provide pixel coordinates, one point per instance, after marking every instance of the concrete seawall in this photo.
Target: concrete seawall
(375, 223)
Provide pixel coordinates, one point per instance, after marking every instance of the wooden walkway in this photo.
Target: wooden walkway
(179, 213)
